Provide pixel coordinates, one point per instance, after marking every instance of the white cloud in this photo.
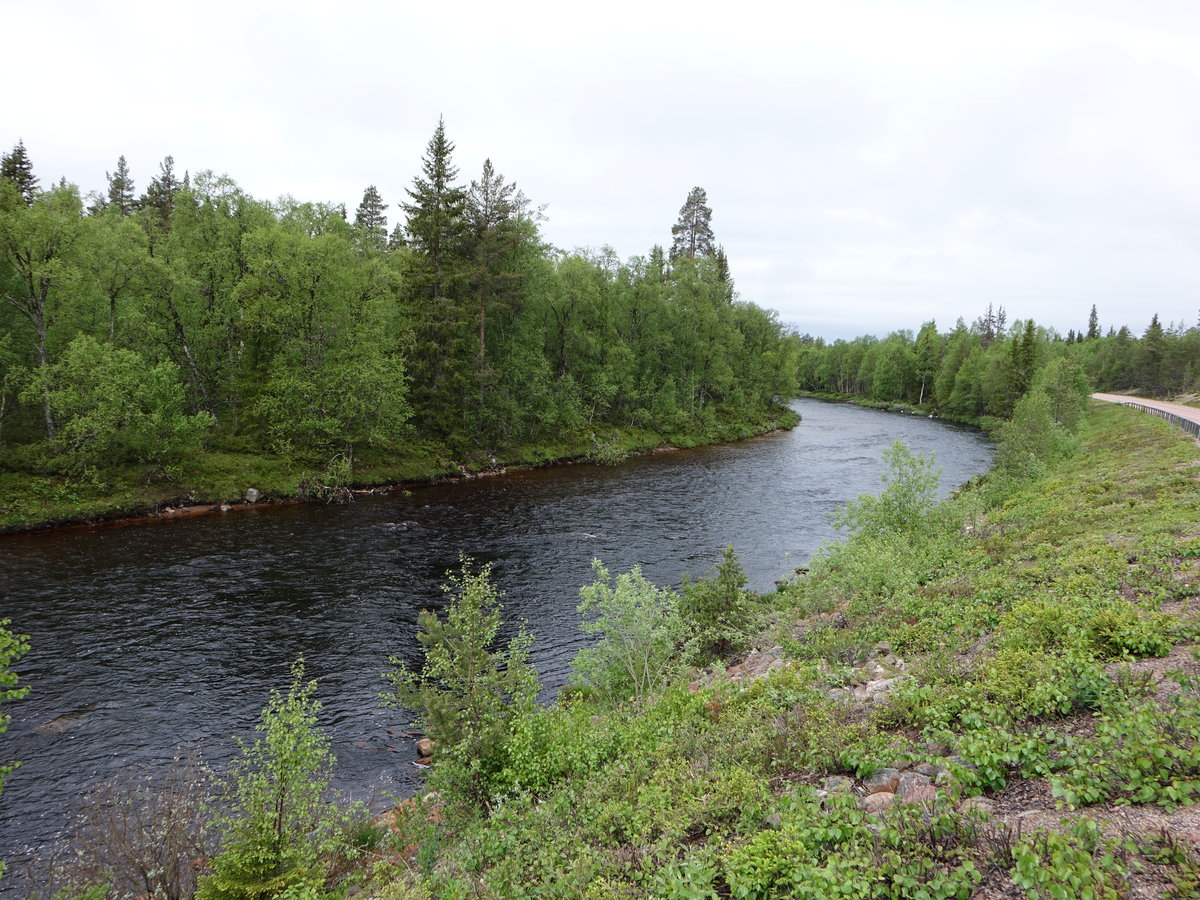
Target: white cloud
(869, 164)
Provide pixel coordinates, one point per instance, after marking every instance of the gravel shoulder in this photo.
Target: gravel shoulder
(1191, 413)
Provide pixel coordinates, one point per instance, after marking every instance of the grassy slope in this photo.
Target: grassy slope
(1035, 629)
(223, 475)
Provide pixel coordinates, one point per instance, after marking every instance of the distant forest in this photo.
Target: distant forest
(979, 371)
(134, 326)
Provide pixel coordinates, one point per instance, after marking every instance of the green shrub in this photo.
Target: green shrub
(278, 822)
(1078, 864)
(1140, 753)
(640, 630)
(716, 610)
(467, 695)
(904, 505)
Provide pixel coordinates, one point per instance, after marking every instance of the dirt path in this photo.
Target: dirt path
(1187, 413)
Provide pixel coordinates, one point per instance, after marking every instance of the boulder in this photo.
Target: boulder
(915, 788)
(876, 803)
(885, 780)
(425, 747)
(252, 495)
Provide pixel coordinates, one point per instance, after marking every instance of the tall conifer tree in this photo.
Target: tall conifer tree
(159, 198)
(120, 188)
(437, 215)
(692, 235)
(17, 168)
(371, 219)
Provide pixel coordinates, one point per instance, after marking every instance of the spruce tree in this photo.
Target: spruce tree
(692, 234)
(437, 281)
(1093, 331)
(437, 215)
(159, 199)
(120, 188)
(493, 206)
(396, 240)
(371, 219)
(724, 276)
(17, 168)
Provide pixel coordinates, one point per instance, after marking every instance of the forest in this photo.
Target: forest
(137, 330)
(977, 373)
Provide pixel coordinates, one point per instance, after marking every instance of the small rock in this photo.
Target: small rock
(425, 747)
(884, 780)
(225, 507)
(877, 803)
(838, 784)
(772, 822)
(929, 769)
(252, 495)
(839, 695)
(977, 805)
(875, 690)
(883, 648)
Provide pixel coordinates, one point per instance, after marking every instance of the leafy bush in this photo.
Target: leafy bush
(466, 694)
(12, 648)
(278, 821)
(841, 852)
(717, 611)
(904, 505)
(1032, 439)
(1080, 863)
(112, 405)
(1141, 753)
(640, 629)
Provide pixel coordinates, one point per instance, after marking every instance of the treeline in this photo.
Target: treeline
(982, 370)
(134, 327)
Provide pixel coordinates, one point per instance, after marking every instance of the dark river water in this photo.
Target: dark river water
(150, 638)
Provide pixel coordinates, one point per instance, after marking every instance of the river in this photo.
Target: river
(150, 638)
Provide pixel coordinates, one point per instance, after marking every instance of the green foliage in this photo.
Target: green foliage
(111, 406)
(1031, 440)
(466, 694)
(303, 335)
(1068, 389)
(839, 852)
(1141, 753)
(1079, 864)
(278, 822)
(907, 500)
(1182, 861)
(717, 611)
(640, 631)
(12, 648)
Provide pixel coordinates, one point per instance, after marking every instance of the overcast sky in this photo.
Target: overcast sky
(870, 165)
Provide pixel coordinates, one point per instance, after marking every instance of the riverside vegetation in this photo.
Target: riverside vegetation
(997, 695)
(187, 344)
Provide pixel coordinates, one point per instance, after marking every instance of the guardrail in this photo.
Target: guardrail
(1192, 428)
